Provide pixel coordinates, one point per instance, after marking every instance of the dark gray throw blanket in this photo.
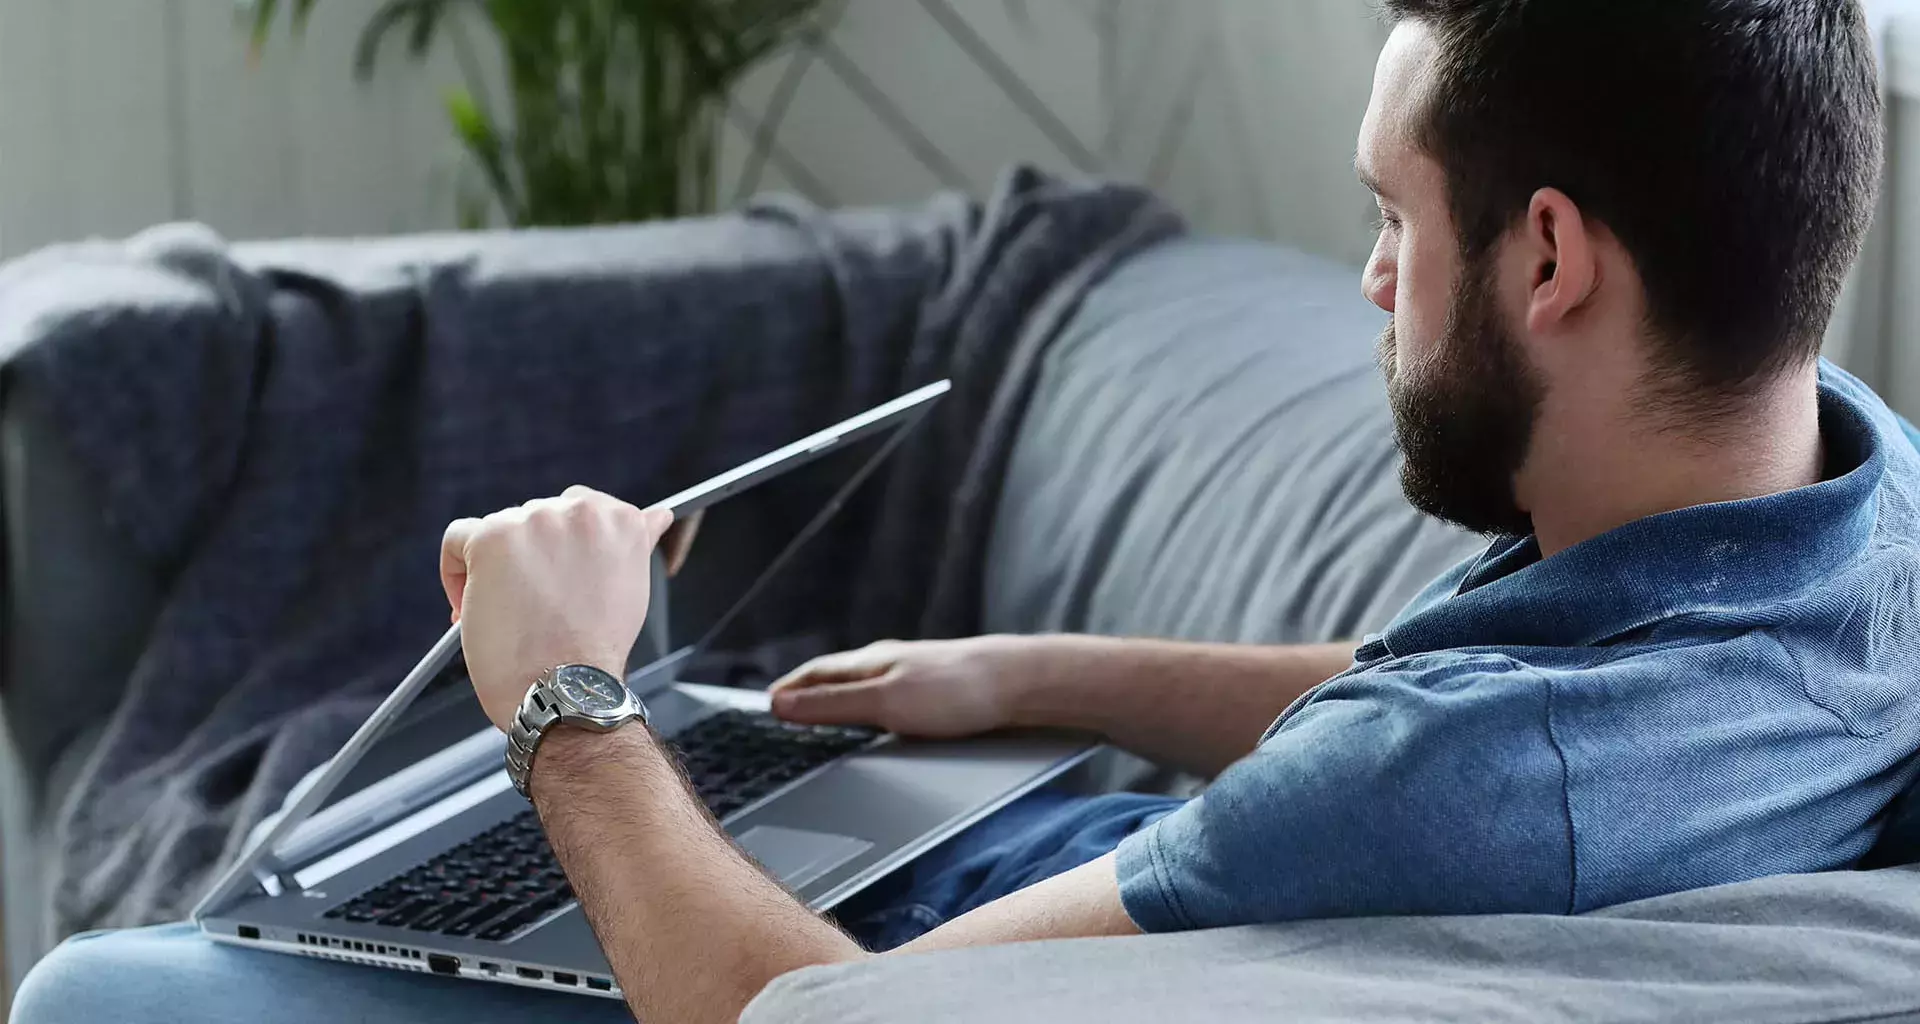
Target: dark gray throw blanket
(286, 430)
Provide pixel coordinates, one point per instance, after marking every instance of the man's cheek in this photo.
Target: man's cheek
(1410, 351)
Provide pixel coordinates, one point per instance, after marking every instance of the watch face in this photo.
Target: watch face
(593, 692)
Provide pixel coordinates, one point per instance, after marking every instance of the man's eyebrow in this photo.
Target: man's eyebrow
(1372, 183)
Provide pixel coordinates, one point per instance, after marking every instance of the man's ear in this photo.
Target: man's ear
(1563, 268)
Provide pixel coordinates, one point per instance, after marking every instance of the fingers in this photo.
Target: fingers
(834, 704)
(845, 667)
(581, 499)
(677, 542)
(659, 521)
(576, 506)
(453, 561)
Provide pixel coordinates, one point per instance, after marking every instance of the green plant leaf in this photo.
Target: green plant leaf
(425, 17)
(477, 132)
(266, 11)
(527, 26)
(425, 21)
(471, 206)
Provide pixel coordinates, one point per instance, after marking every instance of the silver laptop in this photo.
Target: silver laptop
(440, 866)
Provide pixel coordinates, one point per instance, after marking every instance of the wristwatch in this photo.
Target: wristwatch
(577, 695)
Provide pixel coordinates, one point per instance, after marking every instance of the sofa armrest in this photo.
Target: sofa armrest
(77, 604)
(78, 600)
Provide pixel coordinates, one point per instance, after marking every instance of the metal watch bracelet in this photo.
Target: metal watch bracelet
(576, 695)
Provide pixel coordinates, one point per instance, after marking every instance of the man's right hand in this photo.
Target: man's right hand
(1195, 707)
(937, 689)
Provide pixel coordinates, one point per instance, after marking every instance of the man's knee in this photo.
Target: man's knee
(174, 974)
(86, 979)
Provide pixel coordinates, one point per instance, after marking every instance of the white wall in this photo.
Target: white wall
(963, 125)
(117, 114)
(1245, 112)
(1242, 112)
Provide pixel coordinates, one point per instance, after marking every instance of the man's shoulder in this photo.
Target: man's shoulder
(1426, 788)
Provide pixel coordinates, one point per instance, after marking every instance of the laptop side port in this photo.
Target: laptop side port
(440, 963)
(563, 978)
(530, 973)
(492, 969)
(248, 931)
(600, 984)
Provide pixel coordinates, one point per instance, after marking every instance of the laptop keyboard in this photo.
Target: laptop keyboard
(496, 884)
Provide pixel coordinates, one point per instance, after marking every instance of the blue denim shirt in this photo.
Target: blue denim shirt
(1701, 697)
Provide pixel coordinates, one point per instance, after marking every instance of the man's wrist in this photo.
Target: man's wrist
(569, 756)
(502, 702)
(1041, 688)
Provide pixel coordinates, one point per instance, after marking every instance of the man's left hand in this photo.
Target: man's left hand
(559, 581)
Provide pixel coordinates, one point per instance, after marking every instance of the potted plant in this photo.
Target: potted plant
(611, 108)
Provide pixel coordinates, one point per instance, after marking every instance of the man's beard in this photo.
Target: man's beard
(1464, 418)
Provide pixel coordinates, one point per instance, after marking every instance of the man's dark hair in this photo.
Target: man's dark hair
(1733, 146)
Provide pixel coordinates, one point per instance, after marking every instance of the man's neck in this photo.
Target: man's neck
(1595, 473)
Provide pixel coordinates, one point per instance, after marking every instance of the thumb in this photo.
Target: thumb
(453, 561)
(656, 522)
(833, 704)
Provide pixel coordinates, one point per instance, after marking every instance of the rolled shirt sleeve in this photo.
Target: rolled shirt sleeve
(1435, 790)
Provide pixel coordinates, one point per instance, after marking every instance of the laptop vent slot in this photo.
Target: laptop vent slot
(378, 954)
(368, 961)
(378, 949)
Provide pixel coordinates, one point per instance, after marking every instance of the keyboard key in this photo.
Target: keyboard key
(521, 918)
(356, 912)
(406, 912)
(470, 921)
(439, 917)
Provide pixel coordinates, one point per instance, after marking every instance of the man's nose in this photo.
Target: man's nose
(1378, 283)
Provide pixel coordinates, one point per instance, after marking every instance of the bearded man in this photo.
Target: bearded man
(1612, 235)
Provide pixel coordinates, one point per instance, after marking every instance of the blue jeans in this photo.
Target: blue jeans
(168, 974)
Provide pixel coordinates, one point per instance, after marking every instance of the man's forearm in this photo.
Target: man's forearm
(692, 928)
(1196, 707)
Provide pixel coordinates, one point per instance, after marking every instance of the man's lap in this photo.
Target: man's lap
(170, 973)
(1045, 834)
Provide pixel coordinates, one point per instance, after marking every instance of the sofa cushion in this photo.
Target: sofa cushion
(1208, 455)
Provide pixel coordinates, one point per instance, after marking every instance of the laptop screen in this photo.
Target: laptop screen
(745, 617)
(394, 737)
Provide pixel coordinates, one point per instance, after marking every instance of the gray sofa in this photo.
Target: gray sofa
(1207, 456)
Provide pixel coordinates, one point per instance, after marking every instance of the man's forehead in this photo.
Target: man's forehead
(1400, 83)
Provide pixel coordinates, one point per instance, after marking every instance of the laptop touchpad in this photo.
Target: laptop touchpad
(797, 856)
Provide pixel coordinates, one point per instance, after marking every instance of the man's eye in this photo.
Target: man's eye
(1385, 221)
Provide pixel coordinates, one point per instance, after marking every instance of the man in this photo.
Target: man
(1612, 234)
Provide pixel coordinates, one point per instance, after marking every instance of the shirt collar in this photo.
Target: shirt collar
(1712, 557)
